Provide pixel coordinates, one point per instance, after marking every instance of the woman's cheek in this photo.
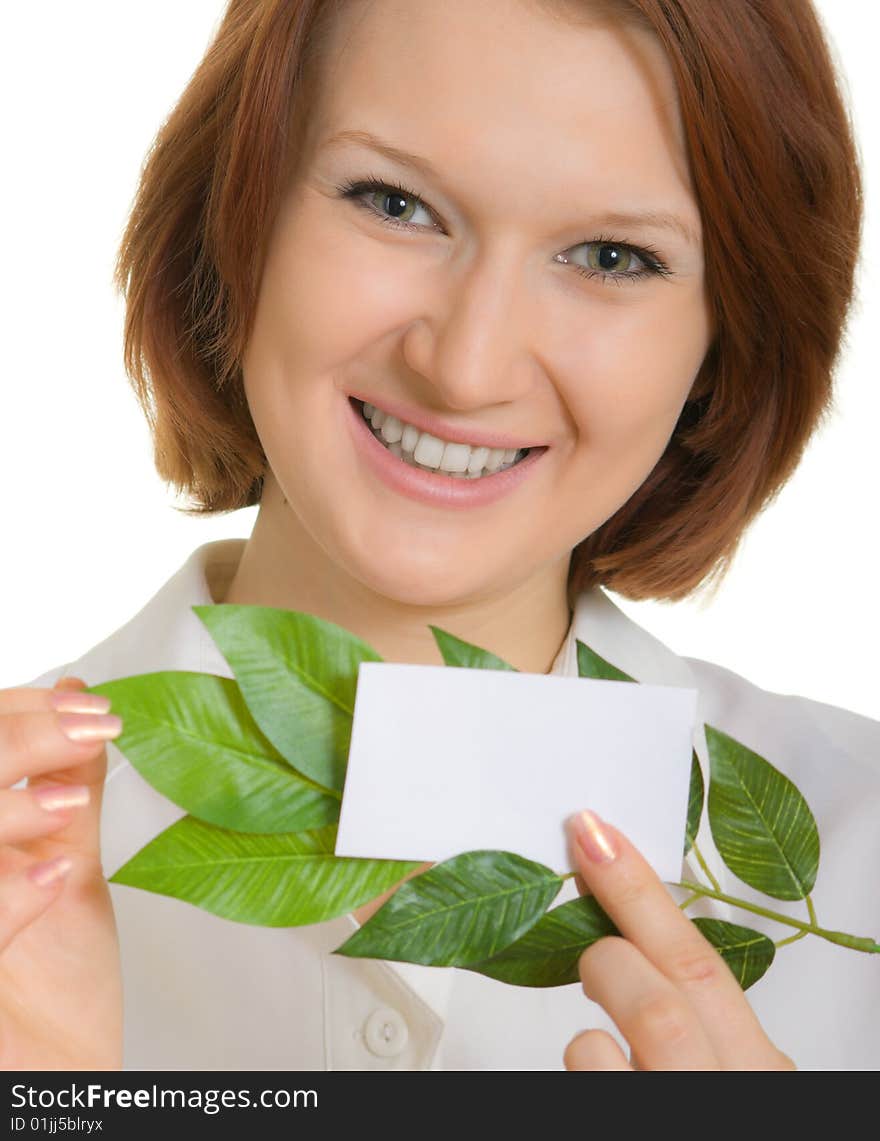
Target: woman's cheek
(357, 289)
(643, 366)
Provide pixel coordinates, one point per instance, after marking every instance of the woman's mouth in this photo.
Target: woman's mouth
(446, 474)
(430, 453)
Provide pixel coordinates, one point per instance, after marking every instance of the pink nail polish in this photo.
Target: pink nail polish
(47, 873)
(87, 728)
(593, 839)
(70, 701)
(53, 797)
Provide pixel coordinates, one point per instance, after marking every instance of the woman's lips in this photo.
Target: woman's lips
(436, 489)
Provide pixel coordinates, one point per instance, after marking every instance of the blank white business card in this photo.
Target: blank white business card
(446, 760)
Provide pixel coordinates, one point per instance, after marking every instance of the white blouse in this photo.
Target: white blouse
(204, 993)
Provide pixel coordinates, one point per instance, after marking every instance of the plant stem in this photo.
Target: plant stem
(791, 939)
(856, 942)
(706, 869)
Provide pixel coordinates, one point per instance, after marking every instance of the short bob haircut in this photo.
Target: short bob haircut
(777, 179)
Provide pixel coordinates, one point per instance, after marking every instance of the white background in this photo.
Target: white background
(88, 531)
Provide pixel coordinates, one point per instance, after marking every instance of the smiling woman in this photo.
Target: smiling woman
(440, 281)
(480, 334)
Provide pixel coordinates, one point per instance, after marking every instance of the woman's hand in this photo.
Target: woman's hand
(60, 980)
(667, 989)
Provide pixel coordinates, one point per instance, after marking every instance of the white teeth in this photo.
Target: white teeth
(495, 459)
(430, 453)
(455, 458)
(392, 429)
(410, 438)
(429, 450)
(477, 461)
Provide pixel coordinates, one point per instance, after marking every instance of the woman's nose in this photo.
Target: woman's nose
(471, 341)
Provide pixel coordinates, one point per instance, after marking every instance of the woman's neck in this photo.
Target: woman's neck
(280, 567)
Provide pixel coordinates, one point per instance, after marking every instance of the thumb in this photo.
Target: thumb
(82, 833)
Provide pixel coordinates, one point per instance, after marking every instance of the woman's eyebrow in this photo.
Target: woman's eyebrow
(395, 154)
(650, 219)
(654, 219)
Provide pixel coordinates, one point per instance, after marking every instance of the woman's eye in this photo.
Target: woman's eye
(394, 205)
(401, 207)
(610, 258)
(607, 259)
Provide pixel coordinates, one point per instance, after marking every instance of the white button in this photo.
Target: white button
(385, 1033)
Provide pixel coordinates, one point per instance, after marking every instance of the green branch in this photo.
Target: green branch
(707, 871)
(790, 939)
(856, 942)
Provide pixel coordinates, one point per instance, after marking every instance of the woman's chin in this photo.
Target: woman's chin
(426, 582)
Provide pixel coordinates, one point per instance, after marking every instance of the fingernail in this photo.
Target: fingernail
(80, 727)
(50, 871)
(56, 796)
(72, 702)
(592, 838)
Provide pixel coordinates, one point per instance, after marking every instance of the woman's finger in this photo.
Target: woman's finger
(28, 813)
(27, 888)
(656, 1019)
(645, 913)
(594, 1050)
(35, 699)
(33, 744)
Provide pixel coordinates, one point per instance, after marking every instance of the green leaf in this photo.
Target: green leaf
(547, 955)
(190, 735)
(591, 665)
(458, 653)
(271, 881)
(762, 826)
(748, 953)
(458, 912)
(298, 675)
(695, 804)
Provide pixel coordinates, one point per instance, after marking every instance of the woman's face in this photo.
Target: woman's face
(543, 282)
